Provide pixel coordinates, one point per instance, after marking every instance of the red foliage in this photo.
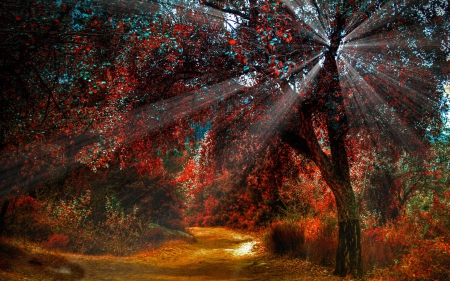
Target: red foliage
(379, 249)
(27, 203)
(320, 239)
(57, 242)
(429, 261)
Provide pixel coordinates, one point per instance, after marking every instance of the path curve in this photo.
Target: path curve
(216, 254)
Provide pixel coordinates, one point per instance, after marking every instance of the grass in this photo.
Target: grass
(286, 238)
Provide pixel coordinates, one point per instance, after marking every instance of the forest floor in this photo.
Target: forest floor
(216, 254)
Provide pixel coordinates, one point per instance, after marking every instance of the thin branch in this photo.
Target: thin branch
(227, 10)
(319, 14)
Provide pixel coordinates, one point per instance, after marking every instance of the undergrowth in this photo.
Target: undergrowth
(69, 226)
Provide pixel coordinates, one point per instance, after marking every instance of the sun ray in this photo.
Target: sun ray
(268, 122)
(305, 12)
(394, 39)
(417, 102)
(385, 14)
(298, 67)
(157, 115)
(369, 105)
(391, 73)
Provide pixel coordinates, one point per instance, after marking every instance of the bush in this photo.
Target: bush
(429, 261)
(312, 238)
(402, 251)
(320, 239)
(286, 238)
(56, 242)
(26, 218)
(376, 249)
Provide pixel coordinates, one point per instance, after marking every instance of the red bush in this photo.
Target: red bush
(311, 238)
(376, 249)
(27, 203)
(321, 239)
(56, 241)
(429, 261)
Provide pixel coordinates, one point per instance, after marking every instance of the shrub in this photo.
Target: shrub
(401, 251)
(320, 239)
(310, 238)
(26, 218)
(429, 261)
(286, 238)
(72, 217)
(56, 242)
(121, 230)
(384, 246)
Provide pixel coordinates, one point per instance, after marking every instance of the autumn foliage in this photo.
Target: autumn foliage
(124, 123)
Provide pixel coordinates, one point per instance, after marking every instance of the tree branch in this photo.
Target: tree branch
(226, 10)
(308, 146)
(296, 142)
(320, 17)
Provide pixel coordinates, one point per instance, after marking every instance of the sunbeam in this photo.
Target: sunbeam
(306, 13)
(387, 13)
(259, 132)
(370, 107)
(394, 39)
(157, 116)
(391, 74)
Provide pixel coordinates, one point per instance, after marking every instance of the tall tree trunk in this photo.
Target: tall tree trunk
(348, 256)
(335, 169)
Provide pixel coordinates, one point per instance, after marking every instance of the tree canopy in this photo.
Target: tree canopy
(250, 92)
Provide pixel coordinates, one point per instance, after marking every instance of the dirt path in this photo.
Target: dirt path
(217, 254)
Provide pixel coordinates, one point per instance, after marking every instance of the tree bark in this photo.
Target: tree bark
(348, 256)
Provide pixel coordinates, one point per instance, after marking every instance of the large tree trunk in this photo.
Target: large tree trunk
(348, 256)
(335, 169)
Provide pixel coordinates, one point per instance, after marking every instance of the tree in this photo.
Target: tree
(385, 42)
(126, 83)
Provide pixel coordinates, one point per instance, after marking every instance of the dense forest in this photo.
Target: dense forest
(124, 122)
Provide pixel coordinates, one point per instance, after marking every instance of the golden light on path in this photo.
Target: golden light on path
(244, 249)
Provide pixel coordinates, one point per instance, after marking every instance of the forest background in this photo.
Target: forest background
(124, 122)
